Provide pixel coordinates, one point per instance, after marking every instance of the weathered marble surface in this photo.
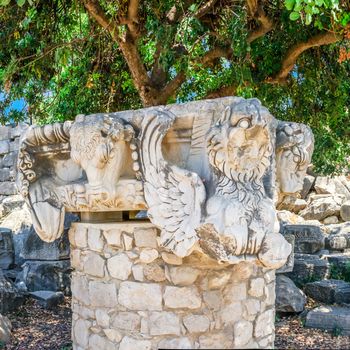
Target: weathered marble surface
(205, 171)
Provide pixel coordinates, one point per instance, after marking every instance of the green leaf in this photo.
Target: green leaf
(308, 18)
(4, 2)
(290, 4)
(294, 16)
(21, 2)
(319, 2)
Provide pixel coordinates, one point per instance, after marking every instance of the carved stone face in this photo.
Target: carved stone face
(239, 145)
(294, 152)
(98, 146)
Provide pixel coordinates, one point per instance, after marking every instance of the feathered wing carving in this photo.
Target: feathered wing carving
(175, 196)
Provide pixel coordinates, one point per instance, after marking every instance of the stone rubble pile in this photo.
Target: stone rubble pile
(319, 224)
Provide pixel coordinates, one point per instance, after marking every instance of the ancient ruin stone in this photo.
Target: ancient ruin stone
(308, 268)
(205, 174)
(289, 298)
(345, 211)
(329, 291)
(330, 318)
(6, 248)
(308, 238)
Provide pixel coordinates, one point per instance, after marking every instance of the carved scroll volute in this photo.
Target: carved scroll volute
(46, 210)
(294, 148)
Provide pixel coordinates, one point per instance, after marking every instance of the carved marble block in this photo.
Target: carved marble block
(198, 271)
(204, 171)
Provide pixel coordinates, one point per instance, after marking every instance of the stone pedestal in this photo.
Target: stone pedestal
(129, 293)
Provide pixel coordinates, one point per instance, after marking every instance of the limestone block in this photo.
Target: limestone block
(329, 318)
(128, 242)
(5, 132)
(113, 237)
(137, 272)
(148, 255)
(7, 188)
(164, 323)
(127, 321)
(229, 314)
(252, 308)
(345, 211)
(270, 292)
(196, 323)
(235, 291)
(94, 265)
(102, 294)
(146, 238)
(102, 318)
(5, 174)
(242, 333)
(175, 343)
(183, 275)
(171, 259)
(113, 335)
(308, 238)
(220, 340)
(154, 272)
(140, 296)
(328, 185)
(256, 287)
(119, 266)
(80, 236)
(76, 259)
(331, 219)
(129, 343)
(308, 267)
(81, 332)
(46, 275)
(95, 239)
(98, 342)
(264, 324)
(321, 208)
(182, 297)
(218, 279)
(213, 299)
(9, 159)
(4, 147)
(289, 298)
(329, 291)
(80, 288)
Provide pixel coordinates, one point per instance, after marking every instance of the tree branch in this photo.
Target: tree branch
(170, 89)
(295, 51)
(222, 92)
(133, 18)
(257, 12)
(215, 53)
(129, 50)
(203, 10)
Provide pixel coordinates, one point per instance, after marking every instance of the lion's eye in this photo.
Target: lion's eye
(296, 159)
(244, 123)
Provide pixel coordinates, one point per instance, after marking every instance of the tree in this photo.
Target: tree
(82, 56)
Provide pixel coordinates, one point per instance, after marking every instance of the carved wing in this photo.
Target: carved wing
(175, 196)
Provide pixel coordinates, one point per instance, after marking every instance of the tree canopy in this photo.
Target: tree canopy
(66, 57)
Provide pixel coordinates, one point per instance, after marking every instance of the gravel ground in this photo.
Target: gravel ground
(35, 328)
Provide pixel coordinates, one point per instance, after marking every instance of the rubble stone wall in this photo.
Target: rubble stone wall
(9, 143)
(129, 293)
